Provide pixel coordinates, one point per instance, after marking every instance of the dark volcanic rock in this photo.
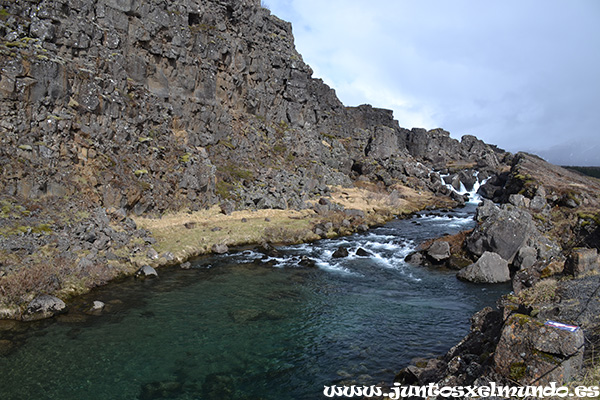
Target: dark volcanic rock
(504, 232)
(363, 253)
(581, 261)
(341, 252)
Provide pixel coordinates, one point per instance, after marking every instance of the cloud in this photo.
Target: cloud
(522, 75)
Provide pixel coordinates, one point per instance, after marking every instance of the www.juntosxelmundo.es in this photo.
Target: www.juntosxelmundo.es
(399, 391)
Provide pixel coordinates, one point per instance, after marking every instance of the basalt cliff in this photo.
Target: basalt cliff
(129, 127)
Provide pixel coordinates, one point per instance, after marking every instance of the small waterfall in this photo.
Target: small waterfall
(473, 196)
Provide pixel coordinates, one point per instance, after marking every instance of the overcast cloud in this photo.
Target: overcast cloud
(521, 74)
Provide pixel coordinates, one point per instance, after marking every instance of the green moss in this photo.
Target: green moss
(282, 127)
(224, 189)
(547, 357)
(42, 229)
(10, 210)
(145, 139)
(26, 229)
(517, 371)
(279, 148)
(588, 218)
(185, 158)
(236, 173)
(4, 14)
(227, 144)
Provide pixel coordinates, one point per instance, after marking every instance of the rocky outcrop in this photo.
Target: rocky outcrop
(534, 237)
(142, 108)
(582, 261)
(503, 232)
(532, 353)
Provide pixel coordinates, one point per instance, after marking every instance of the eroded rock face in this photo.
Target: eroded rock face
(530, 352)
(581, 261)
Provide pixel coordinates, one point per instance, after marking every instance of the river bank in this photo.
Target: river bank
(246, 325)
(347, 210)
(115, 245)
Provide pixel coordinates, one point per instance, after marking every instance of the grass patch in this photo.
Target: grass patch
(542, 292)
(212, 227)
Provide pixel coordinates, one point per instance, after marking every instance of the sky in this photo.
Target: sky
(521, 74)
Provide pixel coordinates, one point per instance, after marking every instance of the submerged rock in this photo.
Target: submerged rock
(363, 253)
(341, 252)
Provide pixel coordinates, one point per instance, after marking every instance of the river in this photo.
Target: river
(237, 327)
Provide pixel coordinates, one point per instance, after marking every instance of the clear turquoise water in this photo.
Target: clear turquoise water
(234, 327)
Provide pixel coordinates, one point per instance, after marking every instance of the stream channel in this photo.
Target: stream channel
(233, 327)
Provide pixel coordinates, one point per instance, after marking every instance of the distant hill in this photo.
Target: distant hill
(589, 171)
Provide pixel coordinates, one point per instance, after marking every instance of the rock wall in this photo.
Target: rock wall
(159, 105)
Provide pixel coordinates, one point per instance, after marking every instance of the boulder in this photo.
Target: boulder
(44, 306)
(186, 265)
(439, 250)
(530, 352)
(490, 268)
(341, 252)
(146, 272)
(526, 257)
(219, 248)
(363, 253)
(581, 261)
(518, 200)
(415, 258)
(538, 203)
(503, 232)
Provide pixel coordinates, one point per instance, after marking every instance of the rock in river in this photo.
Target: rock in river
(146, 272)
(44, 306)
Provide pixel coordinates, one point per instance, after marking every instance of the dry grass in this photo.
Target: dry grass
(190, 234)
(372, 200)
(542, 292)
(56, 276)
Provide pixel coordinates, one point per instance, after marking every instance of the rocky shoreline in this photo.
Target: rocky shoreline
(537, 237)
